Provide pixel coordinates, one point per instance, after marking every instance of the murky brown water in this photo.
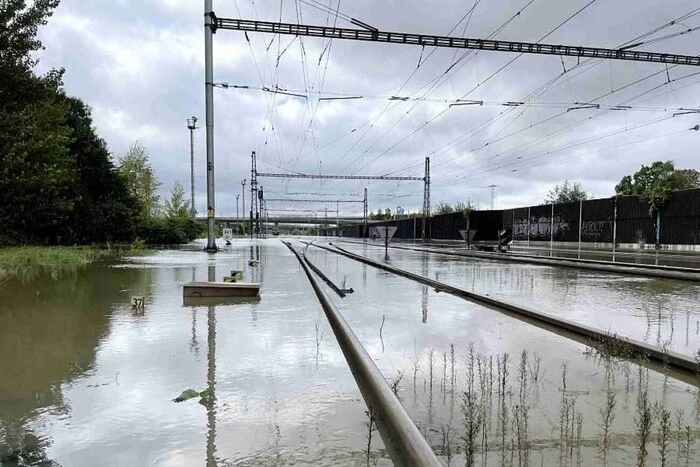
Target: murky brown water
(84, 380)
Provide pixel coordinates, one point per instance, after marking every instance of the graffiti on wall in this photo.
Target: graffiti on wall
(540, 227)
(594, 230)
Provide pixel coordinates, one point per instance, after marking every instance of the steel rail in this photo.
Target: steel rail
(323, 277)
(669, 358)
(633, 269)
(406, 445)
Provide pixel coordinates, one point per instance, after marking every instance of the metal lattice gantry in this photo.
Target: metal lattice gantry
(212, 23)
(337, 203)
(425, 179)
(371, 34)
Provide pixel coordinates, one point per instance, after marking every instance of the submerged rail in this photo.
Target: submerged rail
(645, 270)
(323, 277)
(656, 354)
(401, 437)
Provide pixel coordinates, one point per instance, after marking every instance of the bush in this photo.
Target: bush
(169, 230)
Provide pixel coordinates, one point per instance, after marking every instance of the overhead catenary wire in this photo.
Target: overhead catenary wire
(465, 95)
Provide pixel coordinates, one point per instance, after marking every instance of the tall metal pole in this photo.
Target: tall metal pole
(209, 27)
(614, 248)
(493, 196)
(237, 196)
(426, 200)
(529, 226)
(192, 125)
(337, 218)
(551, 231)
(580, 226)
(364, 220)
(243, 182)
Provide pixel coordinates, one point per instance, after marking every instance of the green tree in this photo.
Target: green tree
(654, 183)
(567, 192)
(464, 208)
(103, 210)
(177, 206)
(443, 208)
(141, 182)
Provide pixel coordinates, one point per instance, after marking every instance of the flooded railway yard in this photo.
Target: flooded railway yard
(87, 380)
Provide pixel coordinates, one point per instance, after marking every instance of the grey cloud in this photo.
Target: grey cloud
(140, 65)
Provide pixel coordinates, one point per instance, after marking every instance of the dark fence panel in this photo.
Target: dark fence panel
(634, 222)
(597, 225)
(508, 216)
(566, 222)
(680, 222)
(680, 219)
(521, 223)
(540, 224)
(486, 223)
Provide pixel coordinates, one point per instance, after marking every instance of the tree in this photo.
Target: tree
(566, 193)
(443, 208)
(177, 206)
(141, 182)
(464, 208)
(103, 210)
(655, 183)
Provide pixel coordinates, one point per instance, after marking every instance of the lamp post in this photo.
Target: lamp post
(192, 125)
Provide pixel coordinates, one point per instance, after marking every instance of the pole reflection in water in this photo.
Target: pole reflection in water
(194, 344)
(424, 289)
(211, 379)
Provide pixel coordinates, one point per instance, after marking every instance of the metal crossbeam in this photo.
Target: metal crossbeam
(452, 42)
(336, 201)
(340, 177)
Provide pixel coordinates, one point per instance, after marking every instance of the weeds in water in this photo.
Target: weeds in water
(472, 423)
(664, 433)
(371, 428)
(643, 420)
(579, 437)
(430, 368)
(502, 370)
(535, 368)
(607, 415)
(563, 414)
(381, 328)
(446, 443)
(444, 372)
(415, 360)
(521, 412)
(453, 379)
(679, 434)
(394, 383)
(319, 338)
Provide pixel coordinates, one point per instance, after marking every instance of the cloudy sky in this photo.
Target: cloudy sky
(140, 65)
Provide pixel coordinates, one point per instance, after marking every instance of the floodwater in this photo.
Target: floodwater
(662, 312)
(86, 380)
(625, 256)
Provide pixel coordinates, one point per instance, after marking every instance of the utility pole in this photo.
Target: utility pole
(426, 200)
(337, 218)
(364, 217)
(209, 28)
(192, 125)
(493, 196)
(237, 196)
(253, 194)
(243, 182)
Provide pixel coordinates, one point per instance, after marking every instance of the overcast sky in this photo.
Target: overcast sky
(140, 65)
